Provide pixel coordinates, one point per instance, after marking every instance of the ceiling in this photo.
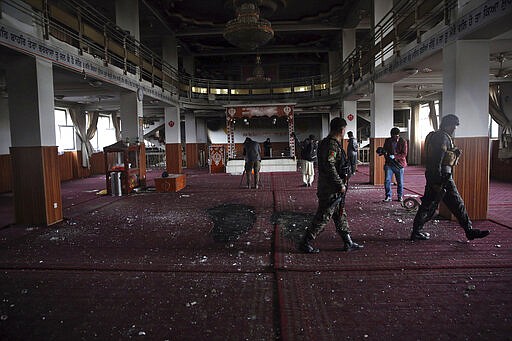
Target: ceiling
(305, 31)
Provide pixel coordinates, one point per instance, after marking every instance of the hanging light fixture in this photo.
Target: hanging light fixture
(248, 30)
(258, 74)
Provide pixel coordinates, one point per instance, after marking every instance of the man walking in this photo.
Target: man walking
(333, 173)
(441, 156)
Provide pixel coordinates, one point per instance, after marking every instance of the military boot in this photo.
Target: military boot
(349, 244)
(472, 233)
(419, 235)
(306, 246)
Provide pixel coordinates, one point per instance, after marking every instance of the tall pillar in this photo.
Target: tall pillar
(349, 107)
(191, 146)
(350, 115)
(172, 114)
(466, 94)
(415, 141)
(173, 140)
(381, 112)
(380, 9)
(127, 16)
(202, 141)
(35, 167)
(132, 123)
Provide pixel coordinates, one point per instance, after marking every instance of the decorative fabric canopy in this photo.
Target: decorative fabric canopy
(267, 110)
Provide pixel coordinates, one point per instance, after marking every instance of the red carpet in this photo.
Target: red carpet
(456, 304)
(120, 305)
(219, 262)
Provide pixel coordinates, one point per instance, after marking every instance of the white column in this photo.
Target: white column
(5, 131)
(170, 50)
(466, 86)
(201, 133)
(381, 110)
(190, 127)
(131, 117)
(380, 9)
(31, 102)
(349, 41)
(350, 115)
(172, 125)
(127, 16)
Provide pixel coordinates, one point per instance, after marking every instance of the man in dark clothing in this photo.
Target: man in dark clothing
(333, 172)
(309, 157)
(395, 149)
(252, 161)
(441, 157)
(352, 149)
(267, 148)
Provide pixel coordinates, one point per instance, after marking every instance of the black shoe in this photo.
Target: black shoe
(476, 233)
(349, 244)
(418, 235)
(305, 245)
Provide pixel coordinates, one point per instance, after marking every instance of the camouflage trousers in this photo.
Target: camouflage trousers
(329, 206)
(431, 199)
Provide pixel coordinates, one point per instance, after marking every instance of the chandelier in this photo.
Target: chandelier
(248, 30)
(258, 73)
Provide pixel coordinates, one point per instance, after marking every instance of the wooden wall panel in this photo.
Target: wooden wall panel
(66, 165)
(192, 155)
(471, 176)
(174, 158)
(5, 173)
(377, 176)
(501, 169)
(97, 163)
(79, 171)
(37, 198)
(53, 198)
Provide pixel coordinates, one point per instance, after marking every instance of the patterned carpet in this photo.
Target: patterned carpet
(219, 262)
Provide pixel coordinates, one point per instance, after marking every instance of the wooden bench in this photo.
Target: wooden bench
(173, 183)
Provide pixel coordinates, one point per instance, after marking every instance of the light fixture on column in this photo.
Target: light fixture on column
(248, 30)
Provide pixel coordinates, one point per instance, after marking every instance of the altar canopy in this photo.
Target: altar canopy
(234, 112)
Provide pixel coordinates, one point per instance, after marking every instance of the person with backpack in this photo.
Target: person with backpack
(309, 155)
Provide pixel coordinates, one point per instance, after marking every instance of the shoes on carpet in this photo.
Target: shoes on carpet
(419, 235)
(476, 233)
(388, 199)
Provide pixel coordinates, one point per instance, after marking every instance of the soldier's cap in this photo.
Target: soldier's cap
(449, 120)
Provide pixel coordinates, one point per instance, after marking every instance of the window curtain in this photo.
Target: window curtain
(432, 115)
(116, 122)
(503, 119)
(91, 129)
(79, 124)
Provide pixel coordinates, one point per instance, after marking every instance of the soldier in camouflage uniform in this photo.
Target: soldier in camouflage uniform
(333, 173)
(442, 156)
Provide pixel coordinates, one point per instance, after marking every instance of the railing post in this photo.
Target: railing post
(125, 56)
(312, 87)
(80, 31)
(105, 47)
(190, 88)
(152, 71)
(141, 61)
(46, 20)
(416, 18)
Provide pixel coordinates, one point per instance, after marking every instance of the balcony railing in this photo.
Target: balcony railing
(82, 26)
